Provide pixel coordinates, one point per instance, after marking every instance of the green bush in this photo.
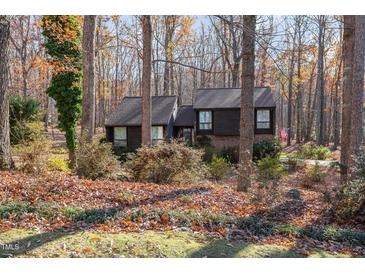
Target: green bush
(270, 168)
(22, 111)
(322, 153)
(313, 176)
(166, 163)
(294, 163)
(96, 160)
(231, 154)
(16, 207)
(264, 149)
(208, 153)
(71, 212)
(314, 152)
(351, 197)
(218, 167)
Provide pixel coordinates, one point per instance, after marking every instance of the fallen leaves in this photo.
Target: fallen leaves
(152, 204)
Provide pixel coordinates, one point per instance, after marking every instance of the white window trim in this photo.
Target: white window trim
(263, 122)
(210, 124)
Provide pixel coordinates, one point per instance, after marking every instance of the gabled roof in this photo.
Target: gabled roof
(185, 116)
(129, 112)
(213, 98)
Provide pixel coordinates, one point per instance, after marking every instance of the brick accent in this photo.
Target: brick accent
(267, 137)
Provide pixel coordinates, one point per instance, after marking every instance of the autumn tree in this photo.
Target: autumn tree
(146, 79)
(5, 155)
(246, 112)
(231, 44)
(290, 85)
(320, 80)
(25, 39)
(170, 26)
(88, 84)
(63, 44)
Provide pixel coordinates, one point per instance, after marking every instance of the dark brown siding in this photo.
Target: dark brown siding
(134, 137)
(109, 134)
(226, 122)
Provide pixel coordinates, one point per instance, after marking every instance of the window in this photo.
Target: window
(205, 120)
(120, 136)
(187, 136)
(157, 134)
(263, 119)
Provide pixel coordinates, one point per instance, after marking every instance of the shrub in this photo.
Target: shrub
(310, 151)
(46, 210)
(58, 164)
(294, 163)
(22, 111)
(34, 155)
(209, 153)
(231, 154)
(313, 176)
(166, 162)
(96, 160)
(264, 149)
(121, 153)
(322, 152)
(270, 168)
(203, 141)
(16, 207)
(351, 197)
(218, 167)
(71, 212)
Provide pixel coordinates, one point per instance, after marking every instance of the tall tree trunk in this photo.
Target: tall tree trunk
(358, 85)
(88, 99)
(336, 114)
(169, 33)
(98, 69)
(299, 96)
(348, 57)
(146, 80)
(290, 96)
(320, 82)
(116, 95)
(246, 112)
(309, 108)
(6, 161)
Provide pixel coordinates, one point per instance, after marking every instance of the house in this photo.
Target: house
(123, 126)
(217, 115)
(214, 114)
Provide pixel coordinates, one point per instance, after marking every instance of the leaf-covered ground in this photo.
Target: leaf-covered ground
(287, 216)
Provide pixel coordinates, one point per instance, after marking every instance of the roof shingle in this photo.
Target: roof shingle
(185, 116)
(129, 112)
(213, 98)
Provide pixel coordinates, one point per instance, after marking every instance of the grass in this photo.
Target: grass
(142, 245)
